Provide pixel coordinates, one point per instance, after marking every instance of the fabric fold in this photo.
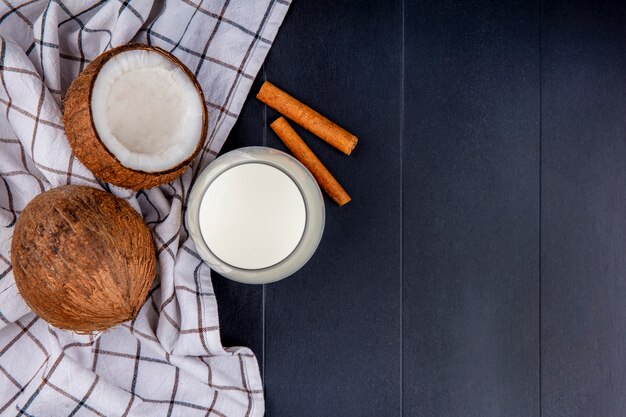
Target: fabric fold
(169, 360)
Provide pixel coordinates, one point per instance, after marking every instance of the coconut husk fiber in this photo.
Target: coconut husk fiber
(82, 258)
(85, 142)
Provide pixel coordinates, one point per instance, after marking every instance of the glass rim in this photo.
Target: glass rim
(313, 204)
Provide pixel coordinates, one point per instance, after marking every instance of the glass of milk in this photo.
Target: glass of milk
(256, 215)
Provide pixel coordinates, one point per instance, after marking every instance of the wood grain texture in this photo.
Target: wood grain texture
(333, 329)
(583, 209)
(471, 209)
(512, 233)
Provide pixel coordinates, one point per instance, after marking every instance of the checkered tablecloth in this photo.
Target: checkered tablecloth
(169, 361)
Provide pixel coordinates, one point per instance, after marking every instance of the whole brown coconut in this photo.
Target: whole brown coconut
(83, 259)
(87, 143)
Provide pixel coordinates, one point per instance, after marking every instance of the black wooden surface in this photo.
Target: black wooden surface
(584, 209)
(480, 269)
(471, 205)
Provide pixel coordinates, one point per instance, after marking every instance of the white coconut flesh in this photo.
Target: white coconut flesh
(146, 111)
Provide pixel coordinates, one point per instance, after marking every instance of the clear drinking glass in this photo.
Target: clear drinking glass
(313, 204)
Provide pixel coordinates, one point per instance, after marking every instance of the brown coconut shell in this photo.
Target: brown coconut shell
(85, 141)
(82, 258)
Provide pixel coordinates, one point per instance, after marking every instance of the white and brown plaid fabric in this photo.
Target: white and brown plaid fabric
(169, 361)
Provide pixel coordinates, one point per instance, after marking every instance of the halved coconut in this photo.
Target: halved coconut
(135, 116)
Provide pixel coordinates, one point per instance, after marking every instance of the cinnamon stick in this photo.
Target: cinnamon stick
(307, 118)
(305, 155)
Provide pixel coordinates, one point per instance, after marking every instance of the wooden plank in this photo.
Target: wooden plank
(333, 329)
(583, 209)
(471, 209)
